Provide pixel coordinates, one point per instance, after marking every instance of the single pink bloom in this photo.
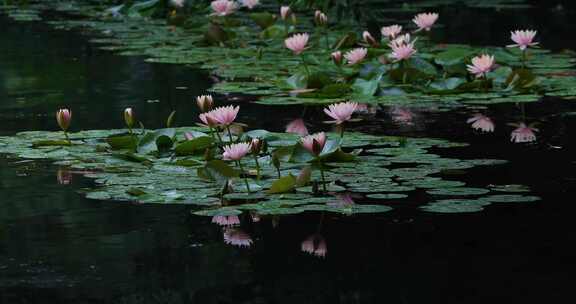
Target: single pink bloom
(297, 126)
(250, 3)
(237, 237)
(368, 38)
(424, 21)
(336, 57)
(402, 51)
(208, 120)
(297, 43)
(226, 220)
(523, 134)
(341, 112)
(314, 143)
(523, 39)
(236, 151)
(356, 55)
(224, 116)
(64, 117)
(391, 31)
(223, 7)
(315, 245)
(481, 122)
(481, 65)
(205, 102)
(285, 11)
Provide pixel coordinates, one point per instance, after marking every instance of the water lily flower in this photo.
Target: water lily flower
(237, 237)
(341, 112)
(523, 39)
(368, 38)
(297, 43)
(129, 117)
(64, 117)
(285, 11)
(314, 143)
(424, 21)
(205, 102)
(297, 126)
(224, 116)
(401, 40)
(402, 51)
(523, 134)
(250, 3)
(391, 31)
(320, 18)
(207, 120)
(256, 145)
(223, 7)
(236, 152)
(315, 245)
(481, 122)
(481, 65)
(356, 55)
(226, 220)
(336, 57)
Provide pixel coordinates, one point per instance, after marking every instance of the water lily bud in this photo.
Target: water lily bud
(336, 57)
(64, 117)
(320, 18)
(368, 38)
(256, 146)
(285, 11)
(129, 117)
(205, 102)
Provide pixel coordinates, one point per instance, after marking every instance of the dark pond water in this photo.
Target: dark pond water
(57, 247)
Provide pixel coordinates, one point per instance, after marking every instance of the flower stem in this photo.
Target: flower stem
(523, 59)
(242, 172)
(322, 175)
(229, 133)
(257, 166)
(67, 138)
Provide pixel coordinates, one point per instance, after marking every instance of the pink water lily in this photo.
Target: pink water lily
(341, 112)
(401, 40)
(391, 31)
(356, 55)
(64, 118)
(336, 57)
(223, 7)
(523, 39)
(523, 134)
(401, 51)
(425, 21)
(297, 126)
(297, 43)
(205, 102)
(314, 245)
(481, 65)
(207, 120)
(285, 11)
(236, 151)
(250, 3)
(237, 237)
(226, 220)
(314, 143)
(224, 116)
(481, 122)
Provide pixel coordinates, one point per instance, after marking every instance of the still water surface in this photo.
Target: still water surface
(57, 246)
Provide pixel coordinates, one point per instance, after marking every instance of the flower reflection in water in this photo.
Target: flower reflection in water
(297, 126)
(64, 177)
(481, 122)
(315, 245)
(402, 116)
(523, 133)
(237, 237)
(226, 220)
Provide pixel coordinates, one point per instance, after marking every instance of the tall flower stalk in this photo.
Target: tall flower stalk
(236, 152)
(297, 44)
